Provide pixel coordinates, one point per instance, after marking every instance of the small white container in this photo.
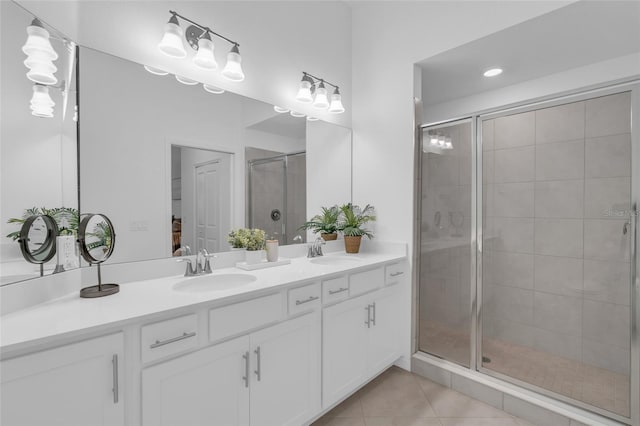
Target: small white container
(272, 250)
(253, 256)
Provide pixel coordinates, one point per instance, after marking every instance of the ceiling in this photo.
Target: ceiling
(576, 35)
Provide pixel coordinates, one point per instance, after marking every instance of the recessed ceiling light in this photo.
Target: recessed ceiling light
(280, 110)
(493, 72)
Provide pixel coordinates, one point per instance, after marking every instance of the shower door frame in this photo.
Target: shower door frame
(632, 86)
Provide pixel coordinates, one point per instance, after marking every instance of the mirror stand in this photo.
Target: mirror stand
(100, 289)
(97, 239)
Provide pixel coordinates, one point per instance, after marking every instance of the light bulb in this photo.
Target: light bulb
(280, 110)
(205, 58)
(156, 71)
(447, 143)
(213, 89)
(41, 103)
(171, 43)
(185, 80)
(304, 92)
(296, 114)
(38, 41)
(434, 140)
(336, 103)
(441, 141)
(321, 101)
(233, 70)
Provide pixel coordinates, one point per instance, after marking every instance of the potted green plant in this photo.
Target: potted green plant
(351, 223)
(237, 238)
(253, 240)
(325, 223)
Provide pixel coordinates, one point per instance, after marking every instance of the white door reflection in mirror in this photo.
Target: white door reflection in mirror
(201, 199)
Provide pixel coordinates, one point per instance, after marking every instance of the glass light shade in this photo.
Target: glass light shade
(41, 70)
(205, 58)
(492, 72)
(233, 70)
(156, 71)
(296, 114)
(304, 93)
(447, 143)
(185, 80)
(171, 43)
(441, 142)
(280, 110)
(41, 103)
(336, 104)
(312, 118)
(321, 101)
(38, 42)
(213, 89)
(433, 140)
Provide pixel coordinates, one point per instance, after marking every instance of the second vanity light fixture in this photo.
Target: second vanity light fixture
(199, 38)
(312, 89)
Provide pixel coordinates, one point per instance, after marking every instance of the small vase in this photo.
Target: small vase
(272, 250)
(352, 244)
(329, 237)
(253, 256)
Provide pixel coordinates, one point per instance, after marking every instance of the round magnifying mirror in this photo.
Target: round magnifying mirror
(97, 239)
(38, 239)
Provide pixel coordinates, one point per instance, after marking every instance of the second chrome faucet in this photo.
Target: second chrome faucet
(203, 264)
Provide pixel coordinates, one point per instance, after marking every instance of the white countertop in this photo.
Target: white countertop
(70, 315)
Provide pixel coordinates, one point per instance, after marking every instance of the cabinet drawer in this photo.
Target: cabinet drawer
(394, 273)
(363, 282)
(304, 299)
(335, 289)
(168, 337)
(237, 318)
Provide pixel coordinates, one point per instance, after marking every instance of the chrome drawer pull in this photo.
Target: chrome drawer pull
(340, 290)
(395, 274)
(245, 356)
(116, 391)
(368, 321)
(258, 370)
(310, 299)
(159, 343)
(373, 320)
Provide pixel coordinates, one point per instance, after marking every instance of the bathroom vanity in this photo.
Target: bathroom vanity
(277, 346)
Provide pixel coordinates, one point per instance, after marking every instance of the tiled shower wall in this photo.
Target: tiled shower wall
(556, 189)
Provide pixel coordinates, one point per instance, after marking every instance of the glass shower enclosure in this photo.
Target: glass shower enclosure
(526, 256)
(277, 196)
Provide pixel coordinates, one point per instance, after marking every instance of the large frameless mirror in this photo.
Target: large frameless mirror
(38, 138)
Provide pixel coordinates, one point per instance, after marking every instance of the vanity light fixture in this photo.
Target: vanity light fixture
(312, 89)
(213, 89)
(493, 72)
(156, 71)
(199, 38)
(40, 54)
(296, 114)
(280, 110)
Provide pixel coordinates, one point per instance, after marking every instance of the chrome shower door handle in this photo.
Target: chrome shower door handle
(257, 371)
(115, 389)
(245, 356)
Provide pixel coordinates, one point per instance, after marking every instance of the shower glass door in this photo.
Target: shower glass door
(445, 241)
(555, 283)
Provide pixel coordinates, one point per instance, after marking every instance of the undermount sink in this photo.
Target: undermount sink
(213, 282)
(335, 260)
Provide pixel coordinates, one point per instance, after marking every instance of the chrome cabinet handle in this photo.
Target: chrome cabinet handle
(257, 370)
(245, 356)
(116, 391)
(396, 274)
(310, 299)
(159, 343)
(374, 313)
(368, 321)
(340, 290)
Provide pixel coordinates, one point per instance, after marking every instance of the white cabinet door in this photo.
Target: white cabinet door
(344, 348)
(73, 385)
(207, 387)
(285, 364)
(384, 342)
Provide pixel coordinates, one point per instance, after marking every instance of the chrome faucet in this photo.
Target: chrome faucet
(203, 264)
(315, 248)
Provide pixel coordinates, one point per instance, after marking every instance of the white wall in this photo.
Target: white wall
(278, 40)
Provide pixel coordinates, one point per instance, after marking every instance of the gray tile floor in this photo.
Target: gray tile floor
(400, 398)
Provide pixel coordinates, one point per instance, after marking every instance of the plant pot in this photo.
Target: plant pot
(329, 237)
(253, 256)
(352, 244)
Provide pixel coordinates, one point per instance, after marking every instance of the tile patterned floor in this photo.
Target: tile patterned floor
(584, 382)
(400, 398)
